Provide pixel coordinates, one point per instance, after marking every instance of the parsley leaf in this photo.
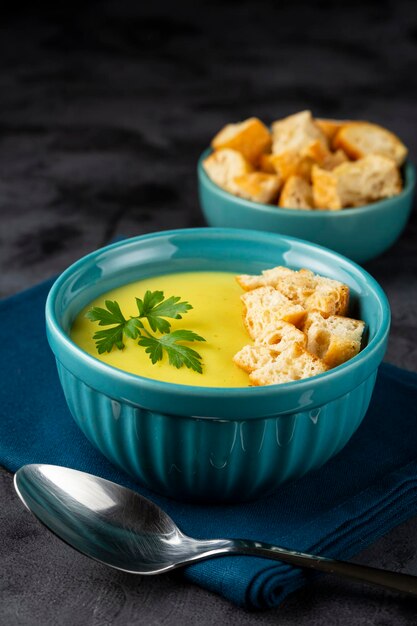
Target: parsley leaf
(112, 315)
(106, 339)
(178, 354)
(133, 327)
(154, 307)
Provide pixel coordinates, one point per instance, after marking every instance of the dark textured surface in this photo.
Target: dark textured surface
(104, 110)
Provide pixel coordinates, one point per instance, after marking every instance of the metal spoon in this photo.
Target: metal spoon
(123, 529)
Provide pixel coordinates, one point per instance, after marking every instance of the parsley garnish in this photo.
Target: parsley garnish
(154, 308)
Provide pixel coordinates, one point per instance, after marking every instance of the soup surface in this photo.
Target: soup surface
(216, 315)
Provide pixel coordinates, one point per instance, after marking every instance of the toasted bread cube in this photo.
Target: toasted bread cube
(296, 132)
(297, 193)
(275, 339)
(268, 277)
(266, 164)
(292, 364)
(330, 297)
(280, 335)
(297, 144)
(266, 307)
(311, 291)
(250, 358)
(358, 139)
(317, 151)
(251, 138)
(291, 163)
(330, 127)
(257, 186)
(334, 159)
(224, 166)
(356, 183)
(335, 339)
(296, 163)
(249, 282)
(325, 189)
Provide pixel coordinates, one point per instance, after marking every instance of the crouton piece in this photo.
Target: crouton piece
(359, 139)
(249, 282)
(251, 138)
(297, 193)
(224, 166)
(334, 159)
(281, 335)
(268, 277)
(266, 164)
(295, 363)
(303, 287)
(278, 338)
(257, 186)
(266, 307)
(325, 189)
(317, 151)
(297, 144)
(291, 163)
(335, 339)
(330, 297)
(250, 358)
(330, 127)
(356, 183)
(312, 291)
(296, 132)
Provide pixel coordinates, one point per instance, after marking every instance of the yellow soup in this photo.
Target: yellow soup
(216, 315)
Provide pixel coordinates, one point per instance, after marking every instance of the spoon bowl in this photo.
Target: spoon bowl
(107, 522)
(124, 530)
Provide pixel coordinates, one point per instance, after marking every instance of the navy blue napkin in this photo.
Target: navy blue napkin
(368, 488)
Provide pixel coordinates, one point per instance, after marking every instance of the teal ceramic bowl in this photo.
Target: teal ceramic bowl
(361, 233)
(201, 443)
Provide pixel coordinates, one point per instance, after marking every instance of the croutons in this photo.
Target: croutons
(224, 166)
(330, 127)
(291, 163)
(257, 186)
(281, 335)
(303, 287)
(298, 322)
(266, 164)
(296, 132)
(305, 154)
(297, 144)
(265, 307)
(253, 357)
(356, 183)
(251, 138)
(295, 363)
(296, 194)
(334, 159)
(335, 339)
(359, 139)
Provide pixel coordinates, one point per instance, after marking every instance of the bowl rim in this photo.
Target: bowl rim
(62, 343)
(409, 175)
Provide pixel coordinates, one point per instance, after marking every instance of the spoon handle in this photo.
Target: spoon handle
(404, 583)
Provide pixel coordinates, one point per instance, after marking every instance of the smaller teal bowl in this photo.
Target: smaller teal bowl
(361, 233)
(205, 443)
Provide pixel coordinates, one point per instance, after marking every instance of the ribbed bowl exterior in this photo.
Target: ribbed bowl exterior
(201, 443)
(202, 459)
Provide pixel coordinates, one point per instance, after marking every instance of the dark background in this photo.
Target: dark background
(104, 110)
